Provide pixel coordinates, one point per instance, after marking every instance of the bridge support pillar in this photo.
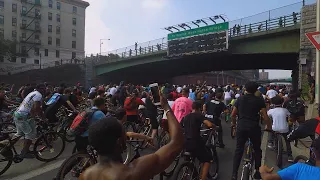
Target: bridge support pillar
(89, 74)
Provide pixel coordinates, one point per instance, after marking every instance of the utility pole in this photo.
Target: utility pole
(102, 43)
(317, 84)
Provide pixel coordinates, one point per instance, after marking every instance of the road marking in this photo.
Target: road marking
(39, 171)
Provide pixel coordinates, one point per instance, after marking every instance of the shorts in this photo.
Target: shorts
(200, 151)
(25, 127)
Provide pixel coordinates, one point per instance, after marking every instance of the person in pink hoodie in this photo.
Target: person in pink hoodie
(182, 106)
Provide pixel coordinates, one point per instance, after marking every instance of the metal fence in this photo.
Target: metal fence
(286, 16)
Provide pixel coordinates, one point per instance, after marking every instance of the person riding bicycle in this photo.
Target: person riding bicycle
(23, 119)
(193, 142)
(213, 110)
(131, 105)
(247, 109)
(297, 171)
(106, 136)
(98, 108)
(295, 107)
(55, 102)
(280, 125)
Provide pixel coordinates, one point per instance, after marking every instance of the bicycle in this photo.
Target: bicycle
(247, 170)
(278, 146)
(42, 143)
(192, 172)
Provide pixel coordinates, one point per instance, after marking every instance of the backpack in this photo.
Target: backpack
(294, 107)
(55, 98)
(81, 123)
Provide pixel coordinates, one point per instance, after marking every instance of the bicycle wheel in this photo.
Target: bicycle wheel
(48, 144)
(245, 175)
(186, 171)
(72, 167)
(163, 139)
(170, 170)
(145, 129)
(279, 151)
(301, 158)
(214, 166)
(6, 157)
(64, 131)
(126, 154)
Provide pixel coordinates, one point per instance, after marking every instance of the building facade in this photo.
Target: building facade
(45, 31)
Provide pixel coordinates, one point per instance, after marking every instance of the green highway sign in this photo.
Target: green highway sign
(198, 31)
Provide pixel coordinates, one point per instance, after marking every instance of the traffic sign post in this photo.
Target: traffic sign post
(314, 37)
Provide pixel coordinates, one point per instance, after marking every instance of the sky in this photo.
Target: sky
(125, 22)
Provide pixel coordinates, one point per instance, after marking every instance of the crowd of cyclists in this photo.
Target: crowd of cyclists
(108, 117)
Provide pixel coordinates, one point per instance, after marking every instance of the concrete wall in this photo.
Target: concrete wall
(307, 50)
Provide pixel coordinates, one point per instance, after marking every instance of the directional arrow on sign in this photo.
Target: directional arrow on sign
(314, 37)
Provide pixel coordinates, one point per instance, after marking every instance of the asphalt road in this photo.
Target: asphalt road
(36, 170)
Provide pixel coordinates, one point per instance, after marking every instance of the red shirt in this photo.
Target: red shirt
(128, 106)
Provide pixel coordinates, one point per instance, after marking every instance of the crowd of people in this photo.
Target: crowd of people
(186, 108)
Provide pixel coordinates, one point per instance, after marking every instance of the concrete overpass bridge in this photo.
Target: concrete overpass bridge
(271, 43)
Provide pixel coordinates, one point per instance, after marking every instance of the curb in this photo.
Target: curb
(264, 144)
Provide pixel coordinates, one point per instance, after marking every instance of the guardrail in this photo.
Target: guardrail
(274, 19)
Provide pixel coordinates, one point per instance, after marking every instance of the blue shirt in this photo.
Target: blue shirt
(95, 117)
(300, 171)
(192, 96)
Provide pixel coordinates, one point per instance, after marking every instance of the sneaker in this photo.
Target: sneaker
(257, 175)
(290, 158)
(270, 146)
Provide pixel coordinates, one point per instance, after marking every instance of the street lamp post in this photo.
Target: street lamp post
(40, 61)
(102, 43)
(317, 98)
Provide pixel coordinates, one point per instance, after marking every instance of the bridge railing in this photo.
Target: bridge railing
(274, 19)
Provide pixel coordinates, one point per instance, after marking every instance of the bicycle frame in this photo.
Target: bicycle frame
(248, 159)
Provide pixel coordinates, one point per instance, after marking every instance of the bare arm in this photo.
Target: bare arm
(148, 166)
(208, 124)
(138, 136)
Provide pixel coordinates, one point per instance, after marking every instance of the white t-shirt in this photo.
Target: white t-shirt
(279, 117)
(113, 90)
(179, 89)
(170, 104)
(227, 95)
(28, 102)
(271, 93)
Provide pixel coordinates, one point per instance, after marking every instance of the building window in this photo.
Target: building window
(14, 7)
(24, 35)
(73, 55)
(57, 42)
(24, 23)
(1, 58)
(74, 33)
(36, 37)
(57, 54)
(46, 52)
(24, 50)
(49, 40)
(14, 34)
(50, 3)
(24, 10)
(36, 61)
(74, 21)
(58, 17)
(74, 9)
(58, 30)
(49, 28)
(36, 51)
(23, 60)
(14, 21)
(50, 16)
(1, 33)
(74, 44)
(58, 5)
(1, 19)
(1, 4)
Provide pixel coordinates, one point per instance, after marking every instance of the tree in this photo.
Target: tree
(8, 49)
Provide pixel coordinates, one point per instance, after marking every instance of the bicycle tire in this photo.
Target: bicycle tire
(189, 166)
(70, 161)
(214, 166)
(245, 175)
(301, 157)
(8, 154)
(279, 151)
(64, 130)
(39, 143)
(169, 171)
